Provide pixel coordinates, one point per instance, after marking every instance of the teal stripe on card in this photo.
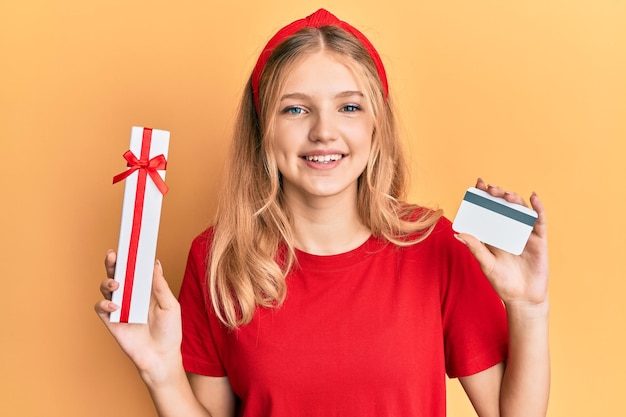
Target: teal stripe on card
(499, 208)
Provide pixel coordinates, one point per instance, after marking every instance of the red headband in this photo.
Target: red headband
(318, 19)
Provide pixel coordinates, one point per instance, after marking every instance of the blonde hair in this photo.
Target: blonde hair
(252, 248)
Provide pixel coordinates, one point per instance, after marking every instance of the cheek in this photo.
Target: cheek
(364, 145)
(364, 128)
(280, 161)
(362, 137)
(281, 140)
(287, 135)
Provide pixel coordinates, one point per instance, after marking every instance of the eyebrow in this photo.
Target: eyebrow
(343, 94)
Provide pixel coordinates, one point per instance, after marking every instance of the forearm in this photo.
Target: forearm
(526, 382)
(172, 394)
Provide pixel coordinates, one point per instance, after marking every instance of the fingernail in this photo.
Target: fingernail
(113, 306)
(460, 240)
(157, 262)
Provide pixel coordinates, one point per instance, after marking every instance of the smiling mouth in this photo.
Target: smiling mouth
(324, 159)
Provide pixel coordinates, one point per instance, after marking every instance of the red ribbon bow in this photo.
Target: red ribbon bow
(151, 166)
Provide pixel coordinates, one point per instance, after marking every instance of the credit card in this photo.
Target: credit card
(495, 221)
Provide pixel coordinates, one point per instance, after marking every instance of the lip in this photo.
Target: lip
(323, 152)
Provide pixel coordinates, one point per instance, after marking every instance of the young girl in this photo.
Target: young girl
(319, 291)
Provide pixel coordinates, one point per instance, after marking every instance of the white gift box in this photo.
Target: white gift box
(141, 211)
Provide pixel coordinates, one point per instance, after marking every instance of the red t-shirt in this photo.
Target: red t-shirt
(370, 332)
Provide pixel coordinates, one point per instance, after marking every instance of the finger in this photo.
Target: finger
(541, 226)
(108, 286)
(480, 184)
(161, 292)
(498, 191)
(515, 198)
(483, 255)
(104, 308)
(109, 263)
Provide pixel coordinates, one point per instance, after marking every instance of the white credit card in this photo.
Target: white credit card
(495, 221)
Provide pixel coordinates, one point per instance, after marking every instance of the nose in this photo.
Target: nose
(323, 128)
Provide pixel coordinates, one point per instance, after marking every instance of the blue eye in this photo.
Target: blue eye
(293, 110)
(350, 108)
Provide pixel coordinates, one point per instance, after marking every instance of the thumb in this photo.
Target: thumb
(483, 255)
(161, 292)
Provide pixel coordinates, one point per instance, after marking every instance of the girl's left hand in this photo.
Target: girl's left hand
(518, 279)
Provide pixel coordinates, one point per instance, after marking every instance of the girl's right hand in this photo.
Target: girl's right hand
(153, 347)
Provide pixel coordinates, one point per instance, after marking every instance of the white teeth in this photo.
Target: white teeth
(323, 158)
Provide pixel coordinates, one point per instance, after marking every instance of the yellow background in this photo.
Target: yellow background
(528, 94)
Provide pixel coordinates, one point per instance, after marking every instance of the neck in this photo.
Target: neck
(327, 225)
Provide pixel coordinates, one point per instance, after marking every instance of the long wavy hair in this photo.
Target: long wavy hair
(252, 249)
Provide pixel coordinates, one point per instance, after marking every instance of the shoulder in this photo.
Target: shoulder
(419, 222)
(437, 228)
(438, 245)
(442, 232)
(443, 237)
(199, 252)
(201, 244)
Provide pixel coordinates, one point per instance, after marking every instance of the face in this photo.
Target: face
(323, 129)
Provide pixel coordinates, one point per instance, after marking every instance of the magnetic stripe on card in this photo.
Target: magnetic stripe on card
(499, 208)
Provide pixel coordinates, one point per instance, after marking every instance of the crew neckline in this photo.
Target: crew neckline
(341, 260)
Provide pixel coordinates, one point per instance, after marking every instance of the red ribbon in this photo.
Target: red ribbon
(150, 166)
(145, 167)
